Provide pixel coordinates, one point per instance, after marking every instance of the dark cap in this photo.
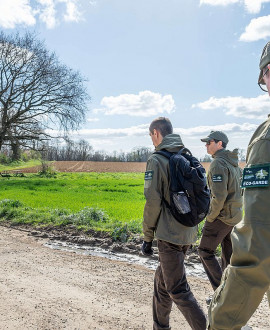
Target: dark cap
(216, 135)
(265, 59)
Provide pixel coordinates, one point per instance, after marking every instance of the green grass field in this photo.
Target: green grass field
(119, 194)
(61, 199)
(20, 164)
(111, 202)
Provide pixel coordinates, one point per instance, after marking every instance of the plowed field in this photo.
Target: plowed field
(88, 166)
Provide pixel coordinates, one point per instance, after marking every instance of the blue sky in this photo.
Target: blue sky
(194, 61)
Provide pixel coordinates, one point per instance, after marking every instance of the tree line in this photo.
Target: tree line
(83, 151)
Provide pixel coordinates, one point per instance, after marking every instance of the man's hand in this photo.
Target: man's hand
(147, 248)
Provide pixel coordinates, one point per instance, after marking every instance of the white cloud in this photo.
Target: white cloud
(258, 28)
(252, 6)
(92, 120)
(252, 108)
(72, 11)
(218, 2)
(144, 104)
(110, 139)
(227, 128)
(143, 130)
(50, 12)
(113, 132)
(15, 12)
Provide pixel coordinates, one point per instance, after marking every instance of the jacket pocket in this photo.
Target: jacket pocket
(235, 209)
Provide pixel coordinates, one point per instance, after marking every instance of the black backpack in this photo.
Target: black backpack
(189, 194)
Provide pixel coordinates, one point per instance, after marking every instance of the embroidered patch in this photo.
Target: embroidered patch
(217, 178)
(256, 176)
(148, 175)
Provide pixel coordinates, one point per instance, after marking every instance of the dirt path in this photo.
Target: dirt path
(48, 289)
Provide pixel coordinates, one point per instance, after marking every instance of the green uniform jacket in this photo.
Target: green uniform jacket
(224, 180)
(157, 219)
(256, 200)
(246, 280)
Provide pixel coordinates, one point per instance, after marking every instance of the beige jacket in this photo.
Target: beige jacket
(224, 180)
(246, 280)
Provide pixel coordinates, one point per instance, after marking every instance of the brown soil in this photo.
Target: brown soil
(88, 166)
(51, 289)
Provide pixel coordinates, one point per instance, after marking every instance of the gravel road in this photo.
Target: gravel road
(43, 288)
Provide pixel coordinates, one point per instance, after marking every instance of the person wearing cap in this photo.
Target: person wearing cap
(225, 209)
(247, 278)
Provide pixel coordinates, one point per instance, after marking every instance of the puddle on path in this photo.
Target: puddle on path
(192, 269)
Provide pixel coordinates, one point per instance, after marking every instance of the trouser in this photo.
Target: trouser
(213, 234)
(245, 281)
(170, 285)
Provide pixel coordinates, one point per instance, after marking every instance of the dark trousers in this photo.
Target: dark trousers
(170, 285)
(213, 234)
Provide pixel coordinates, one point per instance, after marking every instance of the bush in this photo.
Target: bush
(9, 209)
(4, 159)
(10, 203)
(86, 216)
(47, 170)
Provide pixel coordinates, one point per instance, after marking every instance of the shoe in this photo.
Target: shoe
(208, 300)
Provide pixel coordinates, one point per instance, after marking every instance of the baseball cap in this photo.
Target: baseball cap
(265, 59)
(216, 135)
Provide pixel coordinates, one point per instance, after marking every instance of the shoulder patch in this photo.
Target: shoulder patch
(217, 178)
(148, 175)
(256, 176)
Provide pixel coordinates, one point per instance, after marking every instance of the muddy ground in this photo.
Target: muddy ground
(43, 288)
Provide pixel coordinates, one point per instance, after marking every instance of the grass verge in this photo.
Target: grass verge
(108, 202)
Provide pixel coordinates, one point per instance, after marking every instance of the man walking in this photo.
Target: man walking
(173, 239)
(225, 210)
(246, 280)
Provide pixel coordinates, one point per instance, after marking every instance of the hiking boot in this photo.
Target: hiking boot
(208, 300)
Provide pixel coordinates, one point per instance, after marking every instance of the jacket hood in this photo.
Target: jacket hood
(171, 142)
(230, 156)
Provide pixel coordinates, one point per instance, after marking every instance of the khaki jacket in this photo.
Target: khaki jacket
(256, 200)
(246, 280)
(157, 219)
(224, 180)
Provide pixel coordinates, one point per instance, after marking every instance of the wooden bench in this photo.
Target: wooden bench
(5, 174)
(18, 173)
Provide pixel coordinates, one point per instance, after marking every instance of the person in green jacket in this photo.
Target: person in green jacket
(173, 239)
(247, 278)
(225, 211)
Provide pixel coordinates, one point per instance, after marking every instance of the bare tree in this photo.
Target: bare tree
(242, 154)
(206, 159)
(38, 94)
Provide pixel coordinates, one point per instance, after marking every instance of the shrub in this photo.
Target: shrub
(121, 233)
(86, 216)
(4, 159)
(47, 170)
(10, 203)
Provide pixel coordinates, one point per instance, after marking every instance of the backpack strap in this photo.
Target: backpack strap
(164, 153)
(185, 151)
(168, 154)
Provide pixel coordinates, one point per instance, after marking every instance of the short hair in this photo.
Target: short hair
(161, 124)
(224, 145)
